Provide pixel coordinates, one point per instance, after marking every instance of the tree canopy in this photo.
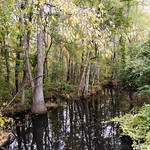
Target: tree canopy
(85, 43)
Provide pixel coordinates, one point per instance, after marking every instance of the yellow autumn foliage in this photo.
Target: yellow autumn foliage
(4, 120)
(73, 22)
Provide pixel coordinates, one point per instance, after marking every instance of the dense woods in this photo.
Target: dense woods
(74, 46)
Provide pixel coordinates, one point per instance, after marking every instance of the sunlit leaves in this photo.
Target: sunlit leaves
(73, 22)
(76, 18)
(4, 120)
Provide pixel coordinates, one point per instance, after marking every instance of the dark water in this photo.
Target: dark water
(74, 126)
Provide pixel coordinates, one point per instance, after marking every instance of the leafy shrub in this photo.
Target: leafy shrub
(135, 75)
(59, 86)
(66, 86)
(4, 92)
(137, 126)
(144, 90)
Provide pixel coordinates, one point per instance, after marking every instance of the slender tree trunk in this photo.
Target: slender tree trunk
(71, 72)
(17, 71)
(94, 74)
(95, 65)
(87, 79)
(68, 70)
(21, 19)
(122, 43)
(45, 60)
(26, 38)
(26, 47)
(82, 61)
(7, 65)
(23, 85)
(74, 73)
(18, 64)
(38, 105)
(6, 55)
(82, 81)
(113, 58)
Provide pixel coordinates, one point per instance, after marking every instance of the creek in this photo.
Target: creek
(75, 125)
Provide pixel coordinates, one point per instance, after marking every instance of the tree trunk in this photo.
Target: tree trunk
(82, 81)
(21, 19)
(87, 79)
(23, 86)
(38, 105)
(68, 70)
(45, 60)
(6, 55)
(26, 47)
(7, 65)
(94, 74)
(26, 38)
(71, 72)
(95, 71)
(74, 74)
(17, 70)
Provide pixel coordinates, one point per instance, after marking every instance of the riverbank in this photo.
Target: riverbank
(54, 95)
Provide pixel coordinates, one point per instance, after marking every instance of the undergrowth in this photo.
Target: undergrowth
(137, 126)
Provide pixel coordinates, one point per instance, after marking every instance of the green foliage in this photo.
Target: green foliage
(55, 87)
(71, 29)
(66, 86)
(57, 72)
(137, 126)
(135, 75)
(144, 90)
(4, 92)
(50, 87)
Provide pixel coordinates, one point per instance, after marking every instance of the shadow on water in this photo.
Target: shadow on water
(73, 126)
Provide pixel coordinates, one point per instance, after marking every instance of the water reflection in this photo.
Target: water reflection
(39, 128)
(74, 126)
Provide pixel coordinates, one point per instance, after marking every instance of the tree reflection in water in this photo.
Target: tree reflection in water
(75, 125)
(39, 125)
